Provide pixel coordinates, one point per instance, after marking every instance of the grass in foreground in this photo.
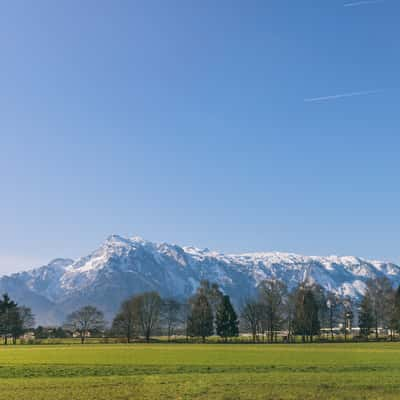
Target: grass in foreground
(334, 371)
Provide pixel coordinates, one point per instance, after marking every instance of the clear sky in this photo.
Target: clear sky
(234, 125)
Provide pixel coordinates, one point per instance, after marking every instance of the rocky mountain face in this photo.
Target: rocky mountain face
(122, 267)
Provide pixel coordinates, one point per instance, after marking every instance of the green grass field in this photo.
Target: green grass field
(162, 371)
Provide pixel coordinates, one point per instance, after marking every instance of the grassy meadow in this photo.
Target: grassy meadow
(175, 371)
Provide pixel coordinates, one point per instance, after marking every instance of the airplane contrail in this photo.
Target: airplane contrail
(342, 95)
(363, 3)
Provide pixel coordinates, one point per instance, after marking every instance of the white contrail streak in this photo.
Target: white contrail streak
(340, 96)
(363, 3)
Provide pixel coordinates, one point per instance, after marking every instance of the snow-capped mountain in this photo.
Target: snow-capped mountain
(121, 267)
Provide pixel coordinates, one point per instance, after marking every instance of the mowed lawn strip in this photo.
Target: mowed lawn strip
(139, 371)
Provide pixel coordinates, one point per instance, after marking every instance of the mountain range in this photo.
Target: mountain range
(121, 267)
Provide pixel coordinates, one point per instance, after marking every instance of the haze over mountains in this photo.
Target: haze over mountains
(121, 267)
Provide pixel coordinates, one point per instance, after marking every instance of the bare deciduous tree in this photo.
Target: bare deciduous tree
(333, 311)
(272, 297)
(125, 321)
(147, 309)
(171, 315)
(380, 294)
(347, 312)
(85, 320)
(200, 321)
(306, 320)
(213, 294)
(22, 319)
(251, 315)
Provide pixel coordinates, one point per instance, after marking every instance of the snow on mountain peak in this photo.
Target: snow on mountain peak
(138, 239)
(116, 240)
(60, 262)
(121, 266)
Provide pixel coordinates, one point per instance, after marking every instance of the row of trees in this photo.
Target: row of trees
(380, 308)
(305, 311)
(15, 320)
(308, 310)
(300, 312)
(209, 311)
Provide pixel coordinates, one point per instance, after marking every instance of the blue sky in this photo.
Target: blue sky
(211, 123)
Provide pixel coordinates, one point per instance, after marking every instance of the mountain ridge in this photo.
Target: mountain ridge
(122, 266)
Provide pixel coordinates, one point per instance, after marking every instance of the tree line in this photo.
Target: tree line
(207, 312)
(308, 311)
(273, 314)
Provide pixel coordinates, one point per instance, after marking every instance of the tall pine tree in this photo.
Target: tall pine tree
(8, 312)
(366, 320)
(227, 324)
(395, 314)
(311, 314)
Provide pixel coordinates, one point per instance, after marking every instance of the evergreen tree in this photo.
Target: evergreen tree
(16, 324)
(214, 295)
(226, 320)
(8, 309)
(395, 314)
(321, 299)
(60, 333)
(366, 319)
(311, 313)
(200, 321)
(14, 320)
